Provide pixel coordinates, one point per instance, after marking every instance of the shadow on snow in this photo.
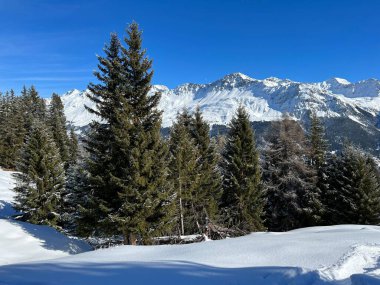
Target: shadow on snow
(178, 272)
(51, 239)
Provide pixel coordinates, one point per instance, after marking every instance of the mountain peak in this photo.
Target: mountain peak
(237, 76)
(337, 80)
(159, 88)
(73, 92)
(232, 80)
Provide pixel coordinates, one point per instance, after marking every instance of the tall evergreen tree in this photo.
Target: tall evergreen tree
(142, 177)
(318, 158)
(185, 175)
(128, 159)
(293, 201)
(194, 172)
(102, 193)
(41, 178)
(57, 123)
(209, 187)
(242, 198)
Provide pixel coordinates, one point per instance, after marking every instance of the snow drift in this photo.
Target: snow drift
(319, 255)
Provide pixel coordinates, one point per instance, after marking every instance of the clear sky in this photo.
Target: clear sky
(52, 43)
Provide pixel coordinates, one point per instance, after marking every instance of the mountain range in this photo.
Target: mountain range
(348, 109)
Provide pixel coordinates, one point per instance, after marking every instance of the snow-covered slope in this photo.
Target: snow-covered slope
(74, 102)
(6, 194)
(319, 255)
(21, 242)
(265, 100)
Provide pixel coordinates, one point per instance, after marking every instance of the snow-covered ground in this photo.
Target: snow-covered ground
(345, 254)
(20, 242)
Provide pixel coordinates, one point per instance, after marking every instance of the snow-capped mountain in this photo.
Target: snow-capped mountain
(265, 100)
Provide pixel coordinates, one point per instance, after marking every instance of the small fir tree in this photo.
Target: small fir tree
(318, 143)
(41, 178)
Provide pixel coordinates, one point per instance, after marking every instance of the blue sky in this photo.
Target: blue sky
(52, 44)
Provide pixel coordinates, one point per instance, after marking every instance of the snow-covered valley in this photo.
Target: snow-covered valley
(344, 254)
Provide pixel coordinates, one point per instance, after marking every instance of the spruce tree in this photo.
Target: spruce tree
(41, 178)
(242, 198)
(318, 158)
(318, 143)
(194, 172)
(293, 201)
(128, 159)
(12, 131)
(34, 106)
(184, 171)
(369, 189)
(209, 186)
(102, 194)
(74, 199)
(353, 195)
(74, 196)
(142, 177)
(73, 147)
(57, 123)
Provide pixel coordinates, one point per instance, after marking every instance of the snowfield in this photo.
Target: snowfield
(344, 254)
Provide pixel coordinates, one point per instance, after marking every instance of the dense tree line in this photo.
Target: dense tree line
(135, 184)
(35, 141)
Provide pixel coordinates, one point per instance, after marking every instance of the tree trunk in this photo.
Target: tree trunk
(181, 210)
(130, 239)
(196, 218)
